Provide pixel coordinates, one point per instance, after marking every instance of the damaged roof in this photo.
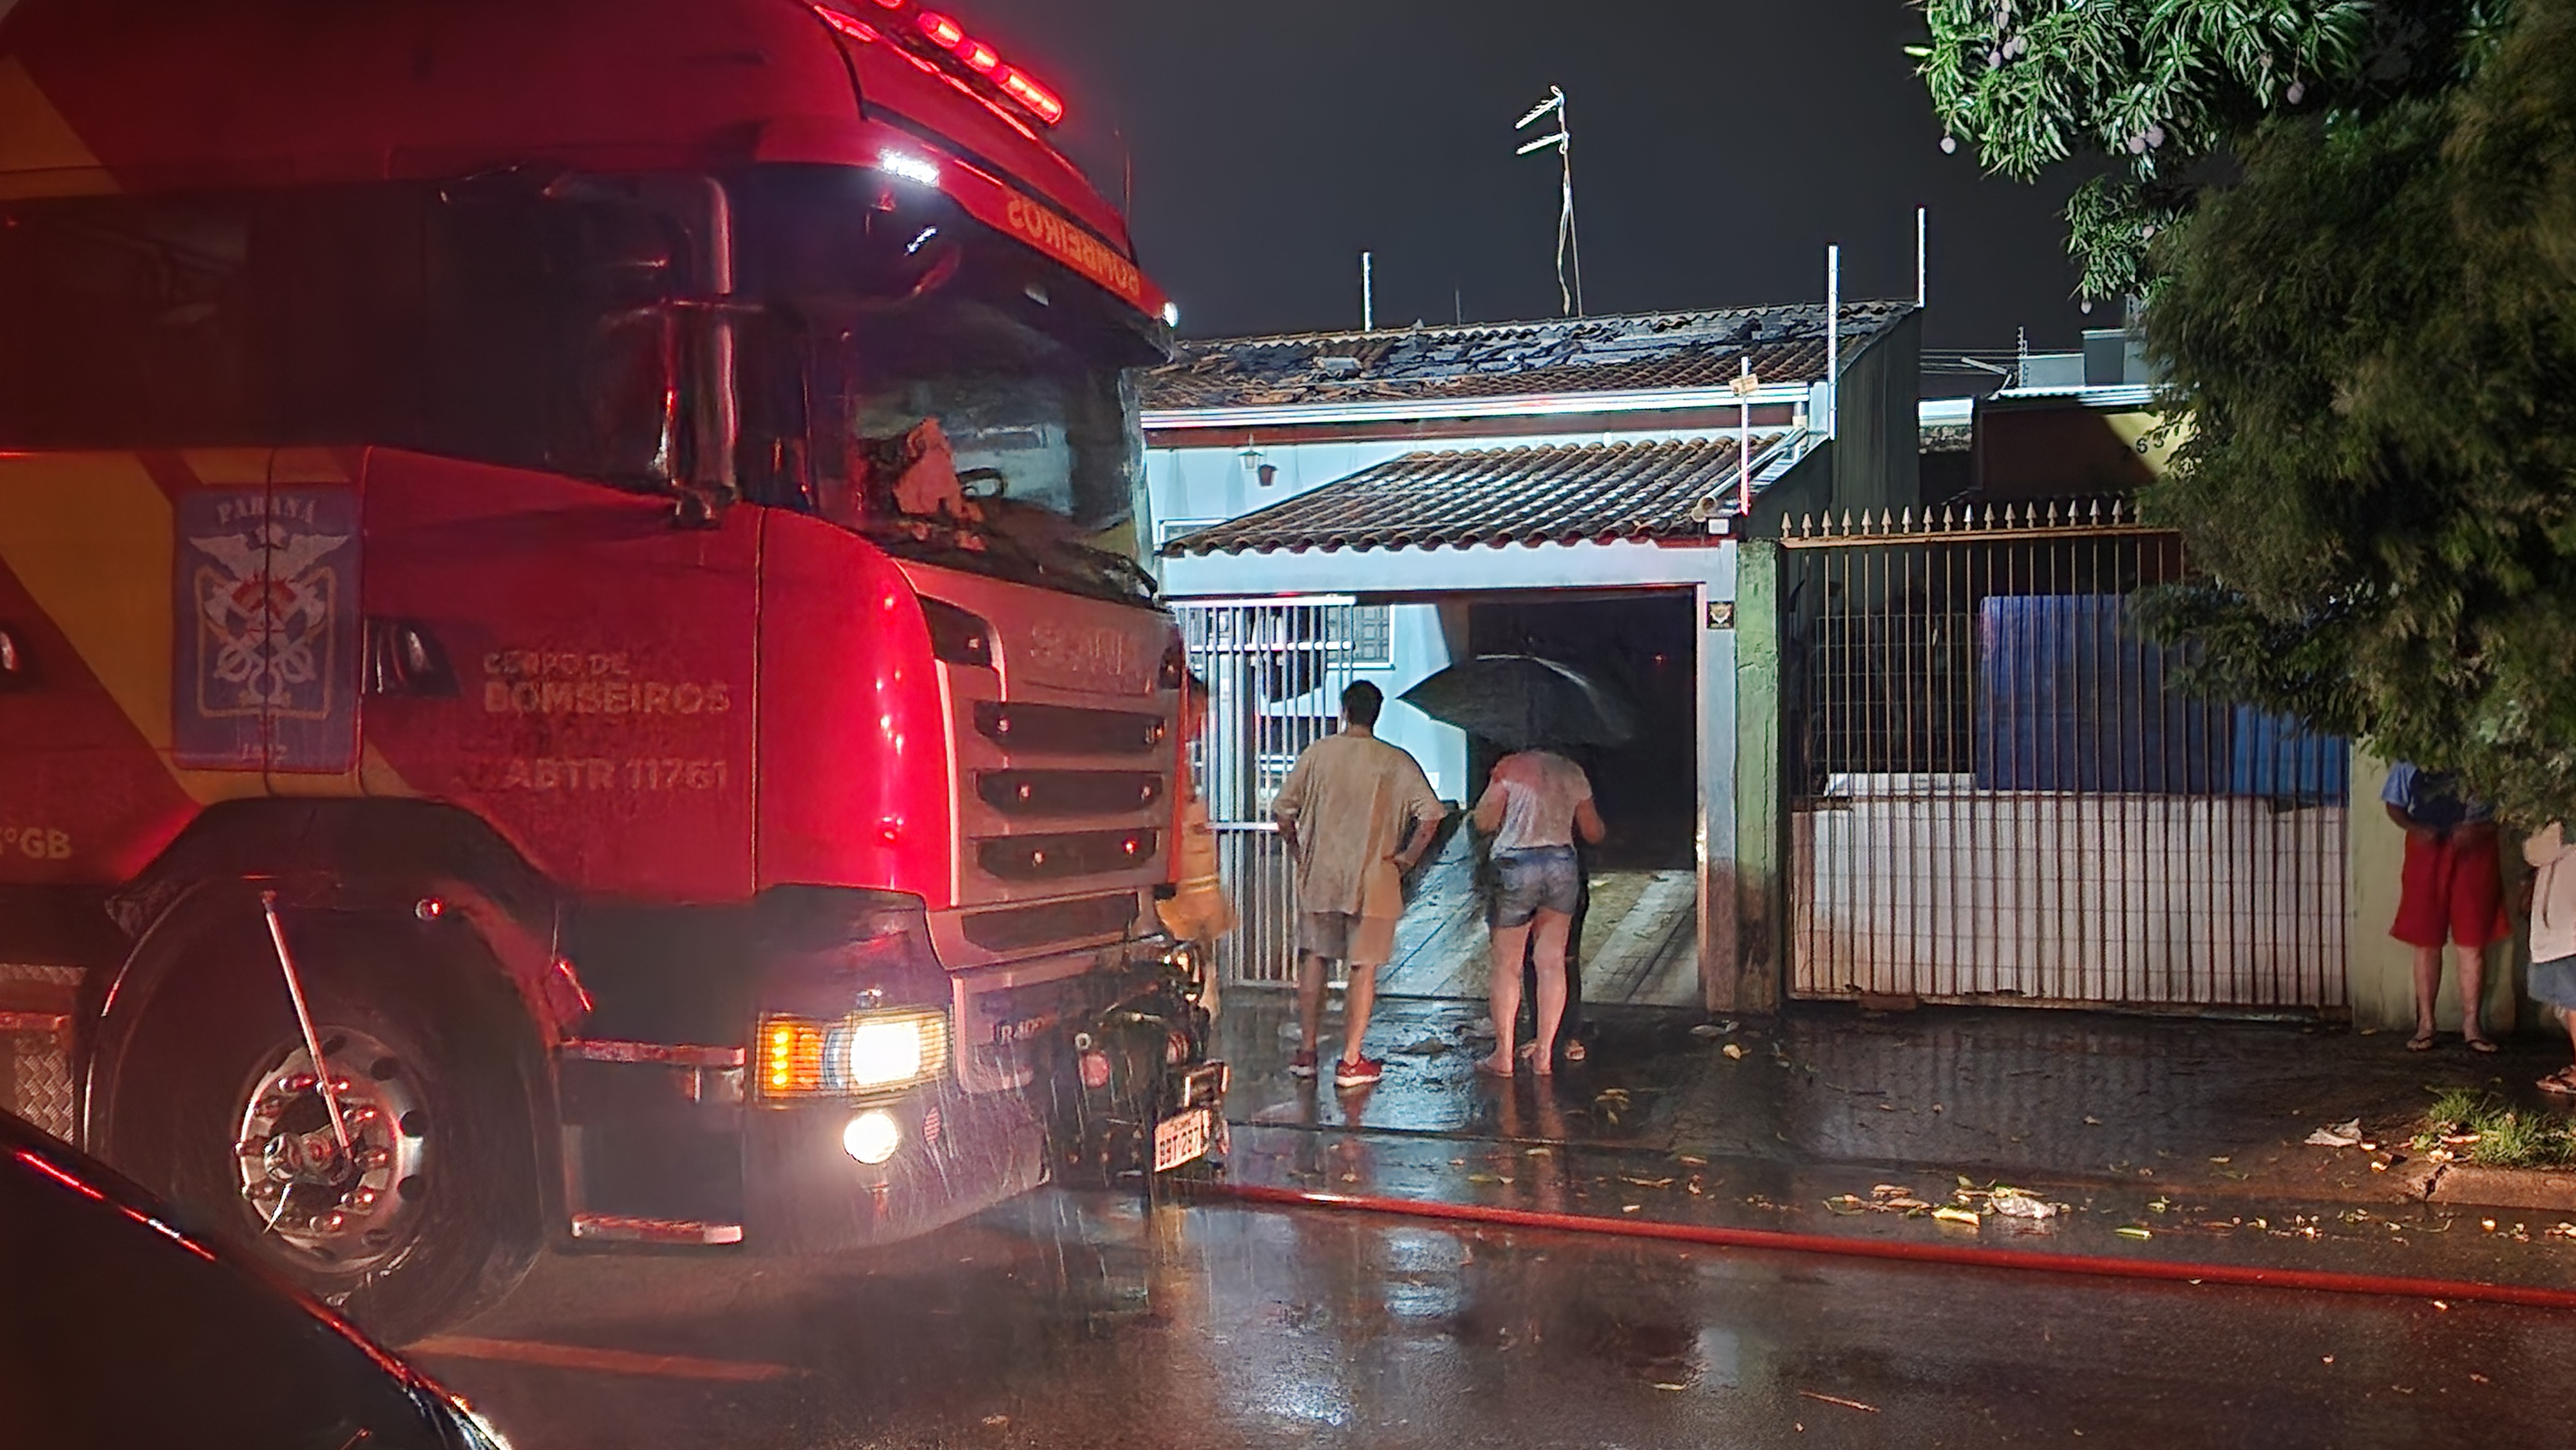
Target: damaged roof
(1644, 352)
(1568, 494)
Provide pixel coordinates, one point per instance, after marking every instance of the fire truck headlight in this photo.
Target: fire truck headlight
(872, 1137)
(862, 1054)
(884, 1051)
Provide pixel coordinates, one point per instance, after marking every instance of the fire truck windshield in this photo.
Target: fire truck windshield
(901, 369)
(963, 399)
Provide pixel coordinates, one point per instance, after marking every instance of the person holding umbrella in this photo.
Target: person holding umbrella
(1536, 805)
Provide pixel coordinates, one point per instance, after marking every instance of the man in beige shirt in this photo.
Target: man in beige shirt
(1345, 813)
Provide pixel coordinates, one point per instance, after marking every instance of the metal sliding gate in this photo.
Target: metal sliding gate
(2000, 792)
(1275, 671)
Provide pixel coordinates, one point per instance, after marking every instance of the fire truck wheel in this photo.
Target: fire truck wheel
(414, 1209)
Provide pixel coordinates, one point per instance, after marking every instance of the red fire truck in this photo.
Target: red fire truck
(571, 660)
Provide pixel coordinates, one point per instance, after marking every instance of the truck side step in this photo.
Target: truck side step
(37, 1005)
(616, 1228)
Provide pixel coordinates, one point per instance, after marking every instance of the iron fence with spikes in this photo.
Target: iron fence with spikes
(2001, 790)
(2036, 518)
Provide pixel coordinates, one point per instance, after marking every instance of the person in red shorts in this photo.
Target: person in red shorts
(2452, 892)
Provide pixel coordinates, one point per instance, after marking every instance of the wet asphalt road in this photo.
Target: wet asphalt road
(1068, 1320)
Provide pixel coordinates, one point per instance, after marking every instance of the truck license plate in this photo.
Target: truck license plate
(1182, 1139)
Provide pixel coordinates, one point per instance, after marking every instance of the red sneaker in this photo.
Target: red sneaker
(1360, 1073)
(1302, 1065)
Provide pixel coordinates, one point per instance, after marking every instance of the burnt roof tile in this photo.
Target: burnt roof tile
(1645, 352)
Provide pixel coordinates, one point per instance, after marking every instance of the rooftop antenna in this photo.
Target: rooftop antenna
(1368, 292)
(1567, 247)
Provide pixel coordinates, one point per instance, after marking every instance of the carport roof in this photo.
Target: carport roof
(1646, 352)
(1568, 494)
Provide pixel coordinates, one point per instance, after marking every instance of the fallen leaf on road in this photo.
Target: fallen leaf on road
(2346, 1134)
(2133, 1231)
(1839, 1400)
(1947, 1214)
(2017, 1204)
(1647, 1182)
(2091, 1121)
(1735, 1050)
(1694, 1162)
(1630, 1207)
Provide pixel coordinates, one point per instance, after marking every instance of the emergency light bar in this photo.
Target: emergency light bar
(947, 43)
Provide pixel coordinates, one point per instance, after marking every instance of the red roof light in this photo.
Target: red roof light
(974, 57)
(1040, 101)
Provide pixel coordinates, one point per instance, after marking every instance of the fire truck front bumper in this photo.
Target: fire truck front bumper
(665, 1152)
(818, 1179)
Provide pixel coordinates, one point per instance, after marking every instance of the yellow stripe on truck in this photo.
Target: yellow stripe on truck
(40, 154)
(89, 535)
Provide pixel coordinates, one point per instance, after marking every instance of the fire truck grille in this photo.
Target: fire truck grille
(1063, 730)
(1054, 858)
(1018, 927)
(1069, 792)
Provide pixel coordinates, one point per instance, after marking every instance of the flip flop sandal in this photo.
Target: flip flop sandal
(2481, 1044)
(2562, 1083)
(1573, 1051)
(2420, 1042)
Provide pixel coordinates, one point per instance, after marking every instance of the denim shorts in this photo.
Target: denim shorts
(2554, 982)
(1543, 878)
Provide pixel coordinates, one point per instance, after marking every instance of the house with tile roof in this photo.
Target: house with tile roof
(1379, 504)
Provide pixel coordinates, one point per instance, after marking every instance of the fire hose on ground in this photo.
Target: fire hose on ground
(1955, 1255)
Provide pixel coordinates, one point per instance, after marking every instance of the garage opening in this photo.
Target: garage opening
(1639, 930)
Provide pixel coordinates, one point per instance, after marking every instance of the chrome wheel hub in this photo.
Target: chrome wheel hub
(349, 1208)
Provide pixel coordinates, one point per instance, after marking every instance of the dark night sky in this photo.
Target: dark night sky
(1718, 147)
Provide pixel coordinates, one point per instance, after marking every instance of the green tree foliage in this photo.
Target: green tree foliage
(2364, 296)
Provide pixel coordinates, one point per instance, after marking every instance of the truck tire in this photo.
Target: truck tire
(432, 1214)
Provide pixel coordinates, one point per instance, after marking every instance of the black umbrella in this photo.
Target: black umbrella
(1520, 701)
